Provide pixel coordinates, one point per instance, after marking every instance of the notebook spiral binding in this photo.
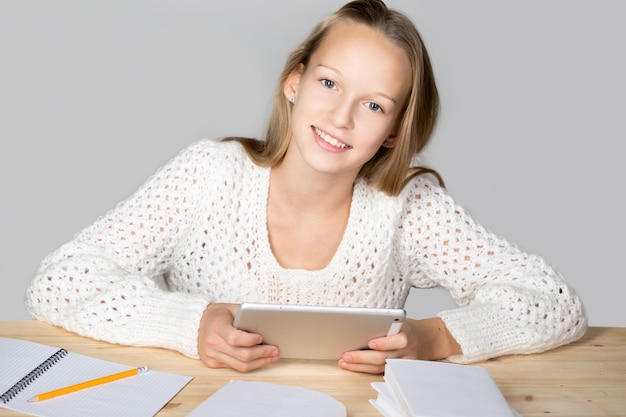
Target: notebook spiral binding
(32, 376)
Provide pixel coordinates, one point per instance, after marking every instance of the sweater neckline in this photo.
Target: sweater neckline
(345, 238)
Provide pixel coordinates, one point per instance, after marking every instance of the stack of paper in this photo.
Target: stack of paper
(415, 388)
(256, 398)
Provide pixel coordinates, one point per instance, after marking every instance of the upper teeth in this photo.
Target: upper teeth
(330, 139)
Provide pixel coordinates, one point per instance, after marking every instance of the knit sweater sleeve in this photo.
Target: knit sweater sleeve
(102, 283)
(510, 301)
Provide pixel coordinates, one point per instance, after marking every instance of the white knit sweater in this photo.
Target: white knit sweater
(200, 222)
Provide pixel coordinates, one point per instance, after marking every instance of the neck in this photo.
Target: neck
(310, 192)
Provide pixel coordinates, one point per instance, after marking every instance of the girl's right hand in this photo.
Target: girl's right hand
(220, 345)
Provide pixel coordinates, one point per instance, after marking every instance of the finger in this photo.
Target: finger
(251, 366)
(232, 363)
(245, 354)
(251, 362)
(246, 359)
(241, 346)
(371, 357)
(368, 368)
(388, 343)
(242, 359)
(236, 337)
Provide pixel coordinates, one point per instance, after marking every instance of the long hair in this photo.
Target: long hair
(390, 169)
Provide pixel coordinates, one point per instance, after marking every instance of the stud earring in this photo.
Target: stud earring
(292, 99)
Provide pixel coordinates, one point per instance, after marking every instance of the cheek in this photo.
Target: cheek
(306, 111)
(297, 116)
(313, 98)
(377, 129)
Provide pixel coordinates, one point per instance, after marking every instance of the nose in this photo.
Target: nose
(341, 113)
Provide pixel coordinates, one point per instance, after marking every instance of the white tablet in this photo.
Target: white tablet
(316, 332)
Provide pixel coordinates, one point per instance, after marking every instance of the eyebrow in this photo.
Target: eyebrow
(387, 96)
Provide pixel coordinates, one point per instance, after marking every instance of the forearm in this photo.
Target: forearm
(487, 330)
(90, 295)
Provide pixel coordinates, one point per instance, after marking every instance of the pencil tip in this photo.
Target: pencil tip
(33, 400)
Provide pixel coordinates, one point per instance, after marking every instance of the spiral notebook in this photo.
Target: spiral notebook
(29, 369)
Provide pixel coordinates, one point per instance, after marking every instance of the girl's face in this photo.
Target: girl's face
(348, 99)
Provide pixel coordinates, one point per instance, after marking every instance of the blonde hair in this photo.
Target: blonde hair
(390, 169)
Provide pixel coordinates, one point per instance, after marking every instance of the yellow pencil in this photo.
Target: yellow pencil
(88, 384)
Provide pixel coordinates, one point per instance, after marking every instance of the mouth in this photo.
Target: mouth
(330, 140)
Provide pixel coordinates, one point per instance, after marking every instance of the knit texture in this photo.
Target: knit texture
(200, 223)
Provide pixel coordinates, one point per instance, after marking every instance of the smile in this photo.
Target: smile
(330, 140)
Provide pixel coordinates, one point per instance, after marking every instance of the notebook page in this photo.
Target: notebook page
(18, 358)
(142, 395)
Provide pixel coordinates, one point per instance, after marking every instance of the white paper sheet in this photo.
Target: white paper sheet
(256, 398)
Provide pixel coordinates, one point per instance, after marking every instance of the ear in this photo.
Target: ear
(390, 142)
(290, 88)
(392, 139)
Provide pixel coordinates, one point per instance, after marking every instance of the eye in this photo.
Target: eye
(374, 107)
(328, 83)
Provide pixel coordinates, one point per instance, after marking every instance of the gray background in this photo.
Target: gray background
(95, 96)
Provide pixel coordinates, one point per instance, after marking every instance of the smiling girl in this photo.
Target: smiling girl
(330, 208)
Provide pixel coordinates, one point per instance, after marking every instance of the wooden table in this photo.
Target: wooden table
(583, 379)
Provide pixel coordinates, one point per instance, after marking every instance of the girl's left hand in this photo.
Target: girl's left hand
(426, 339)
